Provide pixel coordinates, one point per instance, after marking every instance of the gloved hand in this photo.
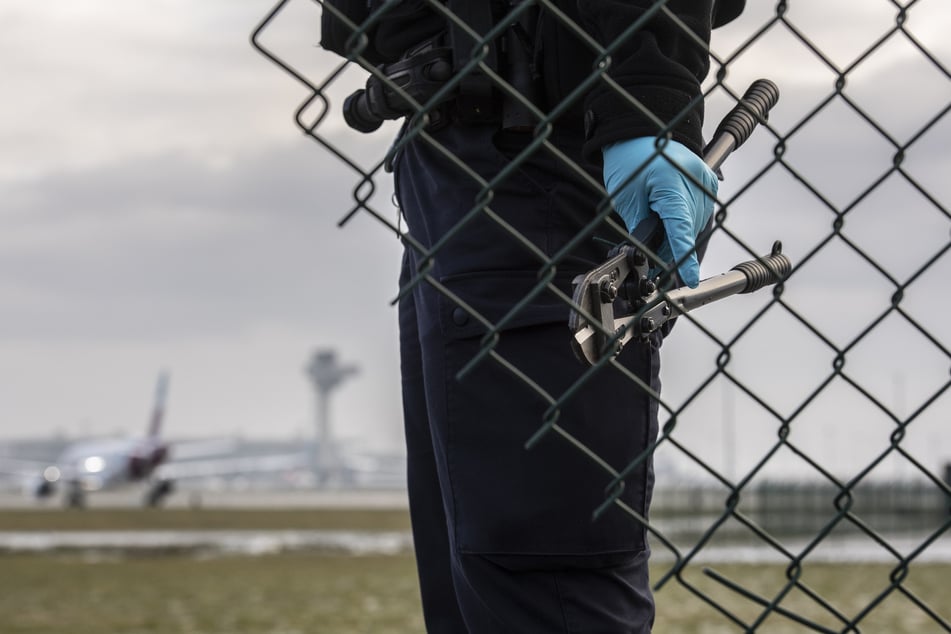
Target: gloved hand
(660, 187)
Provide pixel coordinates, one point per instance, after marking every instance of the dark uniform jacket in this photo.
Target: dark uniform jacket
(659, 63)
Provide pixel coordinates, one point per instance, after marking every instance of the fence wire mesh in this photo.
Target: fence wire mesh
(794, 417)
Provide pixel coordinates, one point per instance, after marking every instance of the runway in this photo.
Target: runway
(230, 499)
(255, 541)
(206, 542)
(212, 543)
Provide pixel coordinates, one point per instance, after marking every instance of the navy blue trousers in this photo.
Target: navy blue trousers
(504, 536)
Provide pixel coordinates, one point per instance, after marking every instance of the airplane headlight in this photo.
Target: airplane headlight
(51, 474)
(94, 464)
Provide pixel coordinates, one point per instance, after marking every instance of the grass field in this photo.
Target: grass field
(313, 592)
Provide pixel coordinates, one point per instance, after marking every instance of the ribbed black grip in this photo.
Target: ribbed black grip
(767, 270)
(752, 108)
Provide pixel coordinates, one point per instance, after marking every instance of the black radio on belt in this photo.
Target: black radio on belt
(426, 68)
(420, 74)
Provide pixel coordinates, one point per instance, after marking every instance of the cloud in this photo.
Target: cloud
(96, 81)
(170, 243)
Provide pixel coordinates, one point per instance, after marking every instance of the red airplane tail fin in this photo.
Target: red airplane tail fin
(158, 411)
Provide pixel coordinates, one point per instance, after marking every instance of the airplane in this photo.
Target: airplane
(101, 464)
(95, 465)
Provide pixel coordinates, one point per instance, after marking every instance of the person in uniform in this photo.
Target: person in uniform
(504, 536)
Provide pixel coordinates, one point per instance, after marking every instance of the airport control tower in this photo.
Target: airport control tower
(327, 374)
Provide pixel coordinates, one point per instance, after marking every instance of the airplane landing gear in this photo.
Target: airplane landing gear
(157, 492)
(75, 496)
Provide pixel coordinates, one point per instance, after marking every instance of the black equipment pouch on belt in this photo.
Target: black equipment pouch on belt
(424, 68)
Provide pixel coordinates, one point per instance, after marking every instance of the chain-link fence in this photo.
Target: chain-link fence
(807, 419)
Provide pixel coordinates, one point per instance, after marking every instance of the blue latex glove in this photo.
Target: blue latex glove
(660, 187)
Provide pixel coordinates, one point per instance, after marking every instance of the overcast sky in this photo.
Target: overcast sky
(161, 210)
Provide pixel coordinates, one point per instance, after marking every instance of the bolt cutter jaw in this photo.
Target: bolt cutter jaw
(617, 301)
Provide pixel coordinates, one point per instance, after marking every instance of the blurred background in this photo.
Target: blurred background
(162, 212)
(166, 223)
